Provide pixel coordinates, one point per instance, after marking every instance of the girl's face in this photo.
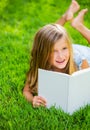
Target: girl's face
(59, 56)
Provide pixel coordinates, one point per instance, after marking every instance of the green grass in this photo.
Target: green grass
(19, 21)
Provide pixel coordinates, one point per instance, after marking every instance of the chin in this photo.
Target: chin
(61, 67)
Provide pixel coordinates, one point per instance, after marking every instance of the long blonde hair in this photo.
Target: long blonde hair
(43, 43)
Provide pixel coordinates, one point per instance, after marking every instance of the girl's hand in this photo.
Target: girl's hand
(84, 64)
(38, 101)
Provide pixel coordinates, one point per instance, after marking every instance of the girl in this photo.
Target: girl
(52, 50)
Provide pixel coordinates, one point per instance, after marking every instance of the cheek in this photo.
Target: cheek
(67, 55)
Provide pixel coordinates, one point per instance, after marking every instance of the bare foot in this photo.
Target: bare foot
(76, 22)
(74, 7)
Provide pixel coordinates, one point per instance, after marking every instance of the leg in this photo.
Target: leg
(73, 8)
(77, 23)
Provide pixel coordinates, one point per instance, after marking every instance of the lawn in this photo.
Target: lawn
(19, 21)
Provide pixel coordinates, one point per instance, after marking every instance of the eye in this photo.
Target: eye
(64, 48)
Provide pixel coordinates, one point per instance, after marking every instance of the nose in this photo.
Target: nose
(60, 54)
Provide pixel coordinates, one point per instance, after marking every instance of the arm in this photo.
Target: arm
(35, 100)
(26, 92)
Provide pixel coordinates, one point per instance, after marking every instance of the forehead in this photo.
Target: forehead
(61, 42)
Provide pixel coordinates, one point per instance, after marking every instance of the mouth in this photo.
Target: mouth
(60, 62)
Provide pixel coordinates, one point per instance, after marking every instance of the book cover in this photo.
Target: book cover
(68, 92)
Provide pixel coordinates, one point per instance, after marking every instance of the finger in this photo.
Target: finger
(43, 99)
(41, 102)
(37, 104)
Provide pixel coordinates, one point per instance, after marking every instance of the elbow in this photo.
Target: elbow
(25, 92)
(25, 89)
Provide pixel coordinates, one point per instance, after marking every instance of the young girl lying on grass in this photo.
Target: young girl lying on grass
(52, 50)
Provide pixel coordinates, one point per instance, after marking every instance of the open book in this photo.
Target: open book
(69, 92)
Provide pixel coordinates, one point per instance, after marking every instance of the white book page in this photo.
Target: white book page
(54, 87)
(87, 70)
(79, 90)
